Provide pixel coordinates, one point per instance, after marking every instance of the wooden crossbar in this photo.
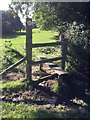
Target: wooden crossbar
(13, 66)
(46, 60)
(47, 44)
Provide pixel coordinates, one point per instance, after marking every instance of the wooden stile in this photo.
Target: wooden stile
(29, 46)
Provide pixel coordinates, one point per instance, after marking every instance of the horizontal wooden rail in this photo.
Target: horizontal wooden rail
(47, 60)
(46, 44)
(13, 66)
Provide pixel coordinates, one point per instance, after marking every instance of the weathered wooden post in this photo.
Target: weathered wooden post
(64, 51)
(29, 48)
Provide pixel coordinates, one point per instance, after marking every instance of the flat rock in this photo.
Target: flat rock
(52, 100)
(2, 98)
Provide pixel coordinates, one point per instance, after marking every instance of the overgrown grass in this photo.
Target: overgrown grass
(25, 111)
(55, 87)
(11, 85)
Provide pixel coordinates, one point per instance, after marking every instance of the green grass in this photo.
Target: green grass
(11, 84)
(25, 111)
(43, 36)
(55, 87)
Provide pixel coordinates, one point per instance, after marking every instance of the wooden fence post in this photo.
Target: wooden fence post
(64, 52)
(29, 48)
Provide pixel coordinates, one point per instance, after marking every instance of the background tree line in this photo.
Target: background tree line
(10, 23)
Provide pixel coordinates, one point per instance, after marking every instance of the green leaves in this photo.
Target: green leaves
(48, 15)
(78, 50)
(10, 55)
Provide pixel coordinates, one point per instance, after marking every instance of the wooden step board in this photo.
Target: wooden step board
(60, 71)
(50, 64)
(41, 57)
(56, 69)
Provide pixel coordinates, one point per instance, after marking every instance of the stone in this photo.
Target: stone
(52, 100)
(2, 98)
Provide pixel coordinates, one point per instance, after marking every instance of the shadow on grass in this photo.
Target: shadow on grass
(14, 35)
(37, 113)
(41, 113)
(21, 33)
(74, 86)
(9, 36)
(26, 112)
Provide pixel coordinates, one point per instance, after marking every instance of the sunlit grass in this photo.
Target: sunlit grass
(25, 111)
(43, 36)
(55, 87)
(7, 85)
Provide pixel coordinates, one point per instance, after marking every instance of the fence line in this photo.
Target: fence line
(46, 44)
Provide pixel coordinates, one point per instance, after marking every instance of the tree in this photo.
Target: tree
(50, 15)
(10, 23)
(23, 8)
(18, 24)
(45, 15)
(78, 48)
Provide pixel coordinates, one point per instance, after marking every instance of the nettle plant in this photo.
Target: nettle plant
(78, 47)
(7, 58)
(50, 50)
(10, 55)
(47, 50)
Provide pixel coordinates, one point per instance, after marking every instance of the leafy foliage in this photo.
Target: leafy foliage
(10, 23)
(49, 50)
(11, 55)
(79, 47)
(25, 8)
(49, 15)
